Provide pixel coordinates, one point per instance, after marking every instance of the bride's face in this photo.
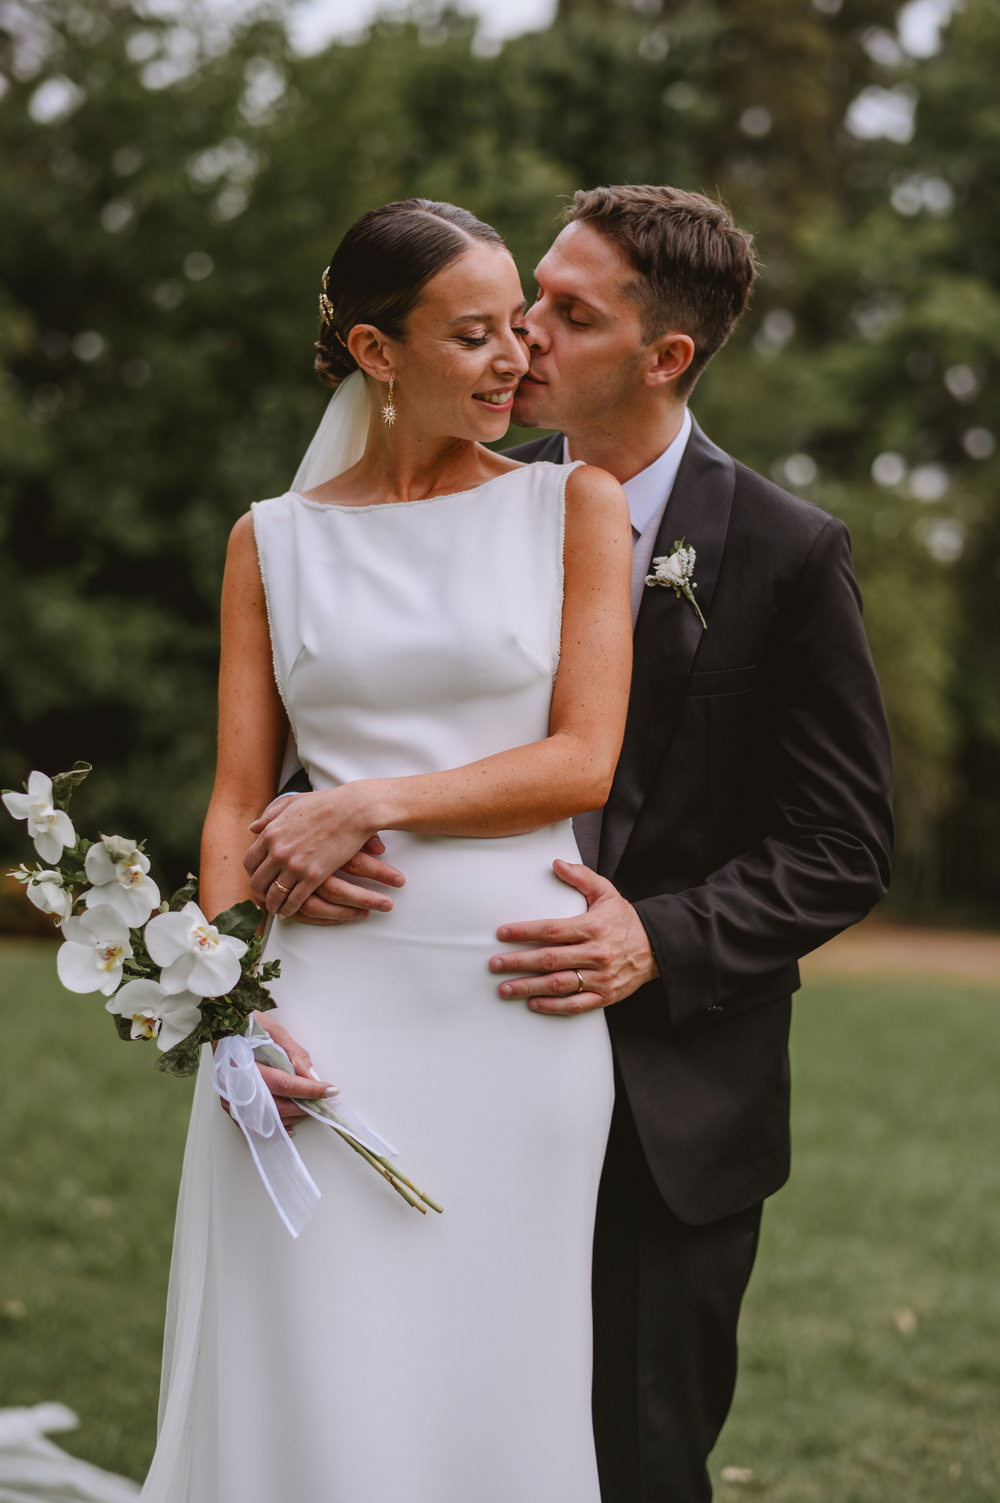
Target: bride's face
(463, 353)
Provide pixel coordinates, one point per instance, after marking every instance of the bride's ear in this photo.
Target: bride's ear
(371, 349)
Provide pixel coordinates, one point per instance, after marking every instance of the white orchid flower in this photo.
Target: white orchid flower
(96, 946)
(145, 1025)
(118, 871)
(46, 891)
(169, 1017)
(194, 956)
(50, 828)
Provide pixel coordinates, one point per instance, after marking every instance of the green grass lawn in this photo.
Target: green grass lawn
(871, 1343)
(871, 1337)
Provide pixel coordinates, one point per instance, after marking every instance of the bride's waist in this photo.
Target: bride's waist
(458, 886)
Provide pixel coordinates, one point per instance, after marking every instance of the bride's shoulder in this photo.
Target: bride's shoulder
(247, 531)
(586, 485)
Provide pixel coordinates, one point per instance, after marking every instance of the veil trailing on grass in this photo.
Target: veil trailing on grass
(33, 1470)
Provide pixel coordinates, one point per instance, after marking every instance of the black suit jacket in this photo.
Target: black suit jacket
(749, 820)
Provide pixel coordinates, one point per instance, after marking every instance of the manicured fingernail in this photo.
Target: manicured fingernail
(385, 907)
(503, 933)
(312, 1072)
(506, 991)
(331, 1090)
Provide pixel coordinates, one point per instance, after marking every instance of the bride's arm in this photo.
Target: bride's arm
(253, 730)
(514, 791)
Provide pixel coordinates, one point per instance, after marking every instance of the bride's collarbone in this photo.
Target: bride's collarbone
(366, 490)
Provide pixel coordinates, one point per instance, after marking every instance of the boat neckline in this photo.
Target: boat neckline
(471, 490)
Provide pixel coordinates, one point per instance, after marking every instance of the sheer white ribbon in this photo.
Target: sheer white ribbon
(285, 1177)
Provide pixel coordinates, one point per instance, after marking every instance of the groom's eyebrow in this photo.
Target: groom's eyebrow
(568, 295)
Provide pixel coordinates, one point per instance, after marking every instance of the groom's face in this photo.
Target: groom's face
(584, 336)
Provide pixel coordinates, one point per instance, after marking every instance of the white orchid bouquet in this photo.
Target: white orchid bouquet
(167, 972)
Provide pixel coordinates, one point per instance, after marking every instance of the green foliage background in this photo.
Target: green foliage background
(170, 191)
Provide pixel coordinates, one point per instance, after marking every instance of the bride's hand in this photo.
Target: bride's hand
(286, 1089)
(341, 901)
(303, 841)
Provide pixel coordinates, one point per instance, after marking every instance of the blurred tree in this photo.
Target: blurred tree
(171, 191)
(135, 405)
(946, 190)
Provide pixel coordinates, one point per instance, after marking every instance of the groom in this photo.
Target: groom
(749, 819)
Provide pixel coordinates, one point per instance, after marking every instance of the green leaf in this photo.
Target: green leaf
(183, 1058)
(64, 783)
(241, 920)
(185, 894)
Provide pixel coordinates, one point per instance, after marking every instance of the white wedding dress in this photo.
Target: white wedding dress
(385, 1356)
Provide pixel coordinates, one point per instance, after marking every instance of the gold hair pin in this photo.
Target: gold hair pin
(326, 314)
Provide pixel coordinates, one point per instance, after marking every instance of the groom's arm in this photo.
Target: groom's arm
(822, 866)
(825, 862)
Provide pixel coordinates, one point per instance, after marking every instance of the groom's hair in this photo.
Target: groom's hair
(694, 268)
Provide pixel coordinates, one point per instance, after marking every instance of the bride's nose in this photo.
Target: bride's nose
(514, 359)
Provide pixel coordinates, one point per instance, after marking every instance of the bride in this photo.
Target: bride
(441, 637)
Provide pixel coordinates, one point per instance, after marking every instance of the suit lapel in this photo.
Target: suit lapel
(668, 635)
(549, 448)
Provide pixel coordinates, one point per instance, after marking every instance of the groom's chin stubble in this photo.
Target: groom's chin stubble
(527, 412)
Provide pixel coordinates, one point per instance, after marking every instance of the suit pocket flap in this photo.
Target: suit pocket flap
(709, 684)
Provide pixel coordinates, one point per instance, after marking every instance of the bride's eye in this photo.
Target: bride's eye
(472, 341)
(519, 330)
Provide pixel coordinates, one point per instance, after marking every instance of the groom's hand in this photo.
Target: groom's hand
(607, 945)
(339, 901)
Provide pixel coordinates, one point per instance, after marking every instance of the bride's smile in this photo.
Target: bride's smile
(457, 366)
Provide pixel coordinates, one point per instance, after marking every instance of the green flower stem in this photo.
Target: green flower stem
(398, 1174)
(381, 1167)
(688, 594)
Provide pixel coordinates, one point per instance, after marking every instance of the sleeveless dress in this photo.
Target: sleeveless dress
(385, 1356)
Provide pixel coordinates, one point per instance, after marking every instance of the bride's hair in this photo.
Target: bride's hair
(379, 270)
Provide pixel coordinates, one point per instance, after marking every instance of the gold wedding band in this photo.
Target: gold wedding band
(579, 978)
(276, 883)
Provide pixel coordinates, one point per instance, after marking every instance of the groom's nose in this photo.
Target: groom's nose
(537, 337)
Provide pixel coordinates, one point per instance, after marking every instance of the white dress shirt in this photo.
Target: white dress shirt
(647, 494)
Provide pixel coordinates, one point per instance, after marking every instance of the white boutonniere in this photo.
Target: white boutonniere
(675, 571)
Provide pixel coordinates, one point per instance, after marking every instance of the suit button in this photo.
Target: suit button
(715, 1008)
